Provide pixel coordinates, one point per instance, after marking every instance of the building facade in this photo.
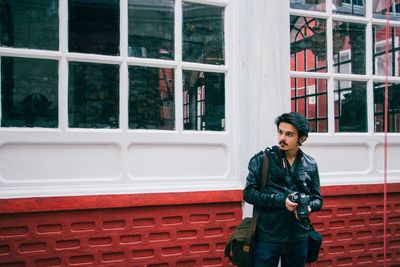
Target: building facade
(127, 125)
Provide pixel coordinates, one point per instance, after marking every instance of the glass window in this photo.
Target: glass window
(203, 101)
(379, 50)
(350, 106)
(93, 81)
(349, 47)
(151, 29)
(351, 34)
(151, 98)
(86, 18)
(309, 97)
(313, 5)
(203, 33)
(307, 44)
(348, 7)
(379, 9)
(393, 108)
(29, 24)
(93, 95)
(29, 92)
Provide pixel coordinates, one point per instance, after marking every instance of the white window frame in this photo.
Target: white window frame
(369, 142)
(123, 137)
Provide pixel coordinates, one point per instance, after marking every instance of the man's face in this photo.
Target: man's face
(288, 137)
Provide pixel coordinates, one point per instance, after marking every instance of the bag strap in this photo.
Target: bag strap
(264, 176)
(264, 173)
(263, 181)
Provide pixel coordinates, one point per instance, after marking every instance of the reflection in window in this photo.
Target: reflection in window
(348, 7)
(349, 41)
(350, 106)
(307, 44)
(313, 5)
(29, 92)
(151, 98)
(342, 62)
(203, 33)
(379, 9)
(29, 24)
(86, 18)
(93, 98)
(203, 101)
(379, 50)
(393, 108)
(151, 28)
(309, 97)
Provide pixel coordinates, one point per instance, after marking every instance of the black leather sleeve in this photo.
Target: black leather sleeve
(316, 197)
(253, 195)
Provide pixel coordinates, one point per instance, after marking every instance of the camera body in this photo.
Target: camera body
(303, 200)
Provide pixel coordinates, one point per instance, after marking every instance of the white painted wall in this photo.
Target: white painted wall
(48, 162)
(263, 73)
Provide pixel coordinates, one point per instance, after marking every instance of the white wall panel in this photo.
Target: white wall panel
(393, 158)
(39, 163)
(177, 160)
(340, 159)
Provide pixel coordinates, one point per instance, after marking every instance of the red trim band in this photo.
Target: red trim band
(361, 189)
(35, 204)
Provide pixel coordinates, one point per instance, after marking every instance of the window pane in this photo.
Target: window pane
(350, 106)
(349, 47)
(203, 101)
(93, 98)
(203, 33)
(379, 9)
(151, 28)
(307, 44)
(314, 5)
(151, 98)
(393, 108)
(309, 97)
(29, 95)
(29, 24)
(379, 51)
(348, 7)
(86, 18)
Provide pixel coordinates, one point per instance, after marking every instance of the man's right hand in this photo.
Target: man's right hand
(290, 206)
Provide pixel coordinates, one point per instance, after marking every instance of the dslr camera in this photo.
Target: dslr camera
(303, 200)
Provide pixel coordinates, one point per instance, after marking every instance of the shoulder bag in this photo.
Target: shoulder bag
(314, 244)
(239, 247)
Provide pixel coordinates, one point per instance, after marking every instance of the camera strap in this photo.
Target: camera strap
(298, 175)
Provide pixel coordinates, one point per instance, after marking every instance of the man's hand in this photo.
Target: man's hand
(290, 206)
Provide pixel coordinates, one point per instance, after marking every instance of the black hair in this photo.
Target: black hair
(297, 120)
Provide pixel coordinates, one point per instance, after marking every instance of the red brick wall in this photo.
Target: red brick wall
(183, 229)
(351, 223)
(167, 234)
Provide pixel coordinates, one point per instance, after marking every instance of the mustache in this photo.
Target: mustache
(282, 142)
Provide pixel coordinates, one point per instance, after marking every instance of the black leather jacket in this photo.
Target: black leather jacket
(275, 222)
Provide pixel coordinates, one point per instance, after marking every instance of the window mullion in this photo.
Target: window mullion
(123, 71)
(369, 67)
(63, 67)
(331, 105)
(330, 69)
(178, 70)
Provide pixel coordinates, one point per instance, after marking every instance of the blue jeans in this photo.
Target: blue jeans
(267, 254)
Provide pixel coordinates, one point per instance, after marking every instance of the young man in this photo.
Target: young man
(291, 192)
